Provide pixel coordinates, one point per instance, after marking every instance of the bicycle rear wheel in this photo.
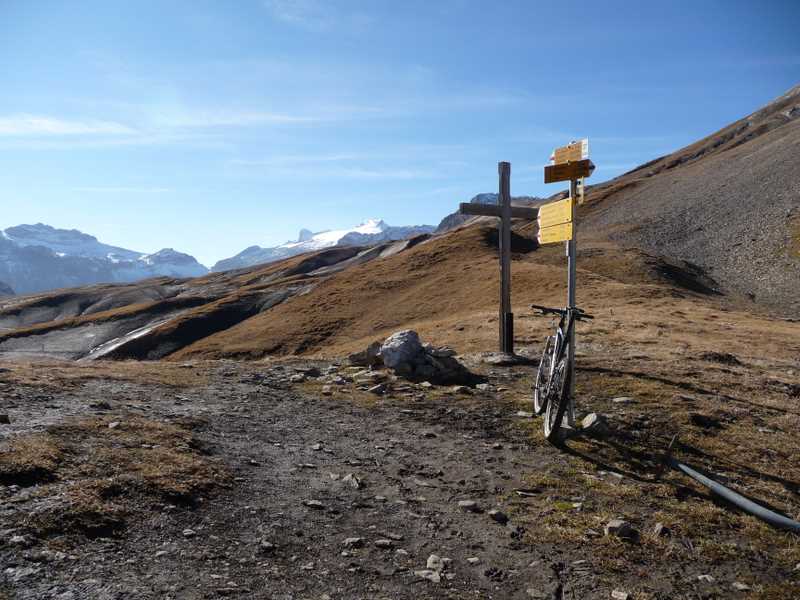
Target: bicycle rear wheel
(558, 399)
(543, 377)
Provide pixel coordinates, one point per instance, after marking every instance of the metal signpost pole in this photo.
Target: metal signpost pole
(557, 224)
(572, 255)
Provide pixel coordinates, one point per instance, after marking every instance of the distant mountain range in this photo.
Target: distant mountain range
(373, 231)
(34, 258)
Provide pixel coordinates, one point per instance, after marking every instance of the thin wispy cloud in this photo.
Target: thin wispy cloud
(121, 190)
(315, 15)
(384, 174)
(321, 167)
(88, 142)
(438, 154)
(209, 119)
(195, 127)
(22, 125)
(297, 160)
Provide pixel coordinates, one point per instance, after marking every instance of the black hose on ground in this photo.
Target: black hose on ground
(747, 505)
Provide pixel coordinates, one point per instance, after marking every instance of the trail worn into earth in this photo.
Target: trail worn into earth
(254, 481)
(309, 474)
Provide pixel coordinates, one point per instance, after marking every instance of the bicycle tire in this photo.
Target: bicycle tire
(543, 377)
(558, 399)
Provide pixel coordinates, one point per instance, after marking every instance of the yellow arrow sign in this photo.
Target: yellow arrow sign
(555, 213)
(556, 233)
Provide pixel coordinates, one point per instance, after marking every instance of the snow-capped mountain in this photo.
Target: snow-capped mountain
(369, 232)
(35, 258)
(66, 242)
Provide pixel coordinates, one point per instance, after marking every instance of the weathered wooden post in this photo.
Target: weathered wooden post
(506, 317)
(506, 212)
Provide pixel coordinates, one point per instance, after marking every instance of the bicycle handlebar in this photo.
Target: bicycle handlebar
(579, 313)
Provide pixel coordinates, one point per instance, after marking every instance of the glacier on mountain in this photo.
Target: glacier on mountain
(372, 231)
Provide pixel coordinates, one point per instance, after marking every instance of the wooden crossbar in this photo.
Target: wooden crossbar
(495, 210)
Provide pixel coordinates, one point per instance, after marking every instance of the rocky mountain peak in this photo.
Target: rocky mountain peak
(46, 234)
(39, 257)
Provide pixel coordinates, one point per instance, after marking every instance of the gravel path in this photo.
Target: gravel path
(309, 474)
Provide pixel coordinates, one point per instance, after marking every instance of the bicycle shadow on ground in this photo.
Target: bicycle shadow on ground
(608, 453)
(618, 453)
(688, 387)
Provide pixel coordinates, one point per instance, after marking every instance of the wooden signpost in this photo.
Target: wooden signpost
(569, 171)
(572, 152)
(506, 212)
(557, 223)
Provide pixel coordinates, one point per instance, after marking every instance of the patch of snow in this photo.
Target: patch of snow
(326, 239)
(369, 232)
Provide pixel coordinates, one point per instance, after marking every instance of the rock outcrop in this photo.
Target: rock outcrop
(408, 357)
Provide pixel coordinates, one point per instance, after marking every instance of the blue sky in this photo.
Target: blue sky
(211, 126)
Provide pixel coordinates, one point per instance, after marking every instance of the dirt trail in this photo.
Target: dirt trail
(306, 471)
(413, 462)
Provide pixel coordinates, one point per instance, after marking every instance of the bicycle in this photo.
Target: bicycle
(551, 389)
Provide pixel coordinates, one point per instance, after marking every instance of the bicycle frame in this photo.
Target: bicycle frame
(560, 345)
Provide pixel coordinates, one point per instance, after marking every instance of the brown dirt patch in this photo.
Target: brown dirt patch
(95, 474)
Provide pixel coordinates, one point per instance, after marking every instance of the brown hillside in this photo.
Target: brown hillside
(447, 289)
(724, 203)
(336, 300)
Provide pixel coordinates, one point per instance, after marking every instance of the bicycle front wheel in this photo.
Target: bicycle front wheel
(543, 377)
(557, 399)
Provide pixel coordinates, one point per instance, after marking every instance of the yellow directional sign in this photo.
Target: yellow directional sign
(556, 233)
(571, 152)
(555, 213)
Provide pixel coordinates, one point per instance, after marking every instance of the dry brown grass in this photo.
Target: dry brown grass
(446, 289)
(58, 374)
(96, 478)
(777, 591)
(29, 460)
(764, 466)
(161, 458)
